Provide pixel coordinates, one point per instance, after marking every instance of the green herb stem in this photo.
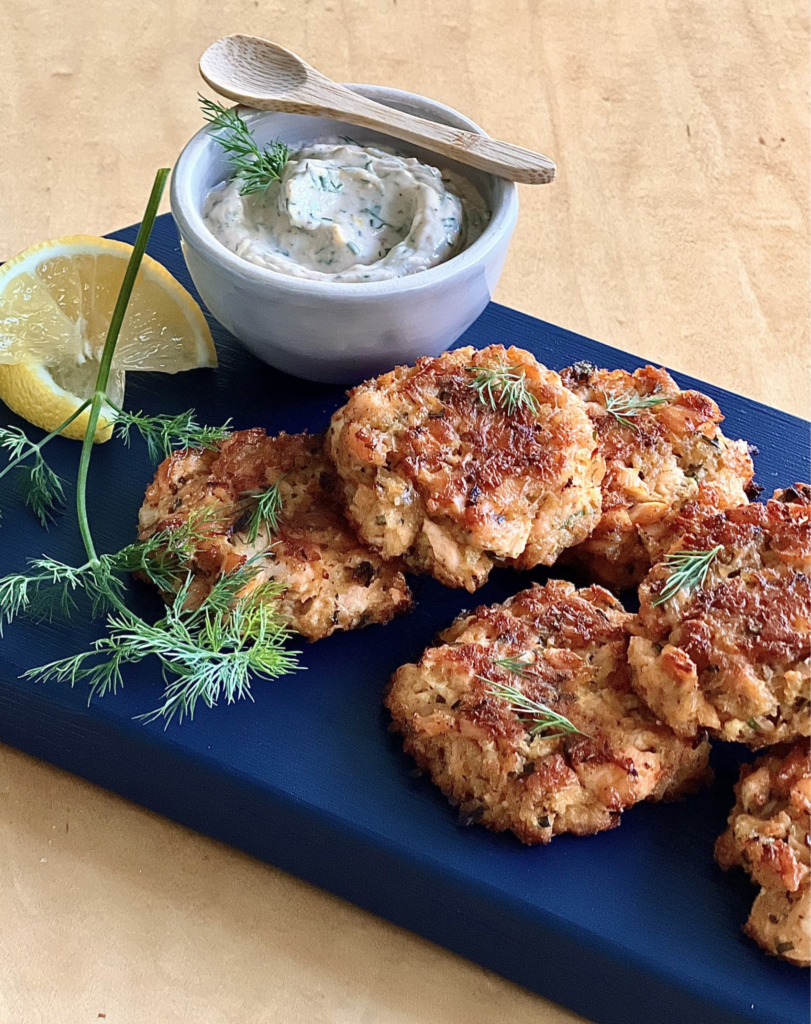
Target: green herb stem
(106, 362)
(503, 387)
(542, 720)
(39, 445)
(516, 666)
(266, 511)
(688, 571)
(208, 650)
(624, 408)
(163, 433)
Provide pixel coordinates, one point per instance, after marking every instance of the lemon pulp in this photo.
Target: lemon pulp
(56, 303)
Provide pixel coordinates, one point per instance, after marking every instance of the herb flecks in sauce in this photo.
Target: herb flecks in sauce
(342, 212)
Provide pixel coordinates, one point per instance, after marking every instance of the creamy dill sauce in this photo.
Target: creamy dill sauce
(348, 213)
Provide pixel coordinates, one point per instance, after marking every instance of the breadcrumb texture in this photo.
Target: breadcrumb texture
(482, 753)
(332, 581)
(657, 460)
(732, 656)
(435, 475)
(769, 837)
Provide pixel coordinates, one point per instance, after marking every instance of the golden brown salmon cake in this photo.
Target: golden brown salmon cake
(661, 446)
(726, 623)
(332, 581)
(482, 714)
(769, 837)
(456, 476)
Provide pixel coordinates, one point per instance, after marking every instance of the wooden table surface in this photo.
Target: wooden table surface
(677, 229)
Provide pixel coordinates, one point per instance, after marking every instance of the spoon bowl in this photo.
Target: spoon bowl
(261, 74)
(238, 66)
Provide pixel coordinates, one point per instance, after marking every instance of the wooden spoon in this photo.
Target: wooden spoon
(258, 73)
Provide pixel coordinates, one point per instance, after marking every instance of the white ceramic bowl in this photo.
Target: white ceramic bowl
(339, 333)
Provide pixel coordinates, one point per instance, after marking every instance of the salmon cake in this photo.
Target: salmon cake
(525, 717)
(662, 446)
(726, 623)
(331, 580)
(769, 836)
(466, 461)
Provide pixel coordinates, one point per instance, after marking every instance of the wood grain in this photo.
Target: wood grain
(677, 229)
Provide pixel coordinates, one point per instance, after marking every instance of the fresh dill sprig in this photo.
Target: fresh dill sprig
(256, 168)
(17, 443)
(39, 486)
(164, 558)
(625, 407)
(267, 506)
(516, 666)
(541, 715)
(503, 387)
(688, 571)
(544, 721)
(41, 490)
(49, 588)
(230, 648)
(207, 653)
(163, 434)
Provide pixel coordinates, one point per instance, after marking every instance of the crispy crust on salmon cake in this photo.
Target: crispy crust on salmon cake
(567, 650)
(662, 447)
(331, 580)
(732, 653)
(455, 482)
(769, 836)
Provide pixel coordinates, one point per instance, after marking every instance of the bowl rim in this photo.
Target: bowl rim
(194, 231)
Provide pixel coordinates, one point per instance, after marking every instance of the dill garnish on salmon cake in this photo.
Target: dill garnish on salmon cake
(726, 622)
(272, 501)
(525, 717)
(662, 448)
(466, 461)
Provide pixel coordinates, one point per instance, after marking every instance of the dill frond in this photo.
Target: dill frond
(41, 490)
(37, 484)
(688, 571)
(256, 168)
(164, 557)
(542, 720)
(516, 666)
(16, 442)
(503, 387)
(266, 510)
(164, 434)
(625, 407)
(50, 587)
(209, 653)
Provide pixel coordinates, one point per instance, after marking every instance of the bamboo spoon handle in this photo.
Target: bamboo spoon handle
(260, 74)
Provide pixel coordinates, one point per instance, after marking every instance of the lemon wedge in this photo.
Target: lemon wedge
(56, 301)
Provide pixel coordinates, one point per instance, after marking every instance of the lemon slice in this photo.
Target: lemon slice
(56, 301)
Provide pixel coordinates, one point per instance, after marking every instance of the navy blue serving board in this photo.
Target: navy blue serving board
(634, 926)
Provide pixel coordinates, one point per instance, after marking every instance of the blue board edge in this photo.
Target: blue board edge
(430, 898)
